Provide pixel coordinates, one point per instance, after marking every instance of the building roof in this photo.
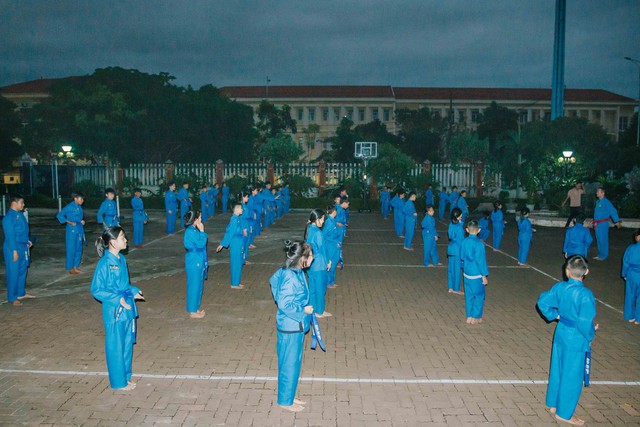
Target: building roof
(280, 92)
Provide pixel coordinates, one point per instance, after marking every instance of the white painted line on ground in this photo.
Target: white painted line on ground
(252, 378)
(391, 265)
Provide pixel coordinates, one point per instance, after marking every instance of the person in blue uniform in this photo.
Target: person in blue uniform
(291, 294)
(453, 198)
(286, 195)
(73, 216)
(254, 205)
(213, 199)
(321, 264)
(577, 238)
(185, 202)
(204, 203)
(483, 223)
(332, 235)
(342, 205)
(140, 218)
(397, 203)
(385, 199)
(233, 239)
(476, 273)
(279, 203)
(602, 212)
(246, 223)
(443, 199)
(497, 224)
(430, 238)
(463, 205)
(345, 196)
(571, 304)
(456, 236)
(428, 195)
(631, 274)
(267, 198)
(171, 208)
(196, 263)
(16, 250)
(111, 287)
(524, 236)
(410, 218)
(108, 212)
(224, 198)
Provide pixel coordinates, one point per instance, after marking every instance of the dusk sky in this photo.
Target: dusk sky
(457, 43)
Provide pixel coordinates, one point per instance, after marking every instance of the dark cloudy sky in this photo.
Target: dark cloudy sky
(463, 43)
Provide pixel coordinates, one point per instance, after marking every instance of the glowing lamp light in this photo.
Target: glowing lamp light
(566, 154)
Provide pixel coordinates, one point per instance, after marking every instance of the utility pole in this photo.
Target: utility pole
(557, 84)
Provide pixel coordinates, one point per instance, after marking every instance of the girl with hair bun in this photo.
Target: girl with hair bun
(291, 294)
(318, 272)
(111, 286)
(195, 261)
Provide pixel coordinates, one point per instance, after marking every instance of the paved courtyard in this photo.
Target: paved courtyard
(399, 352)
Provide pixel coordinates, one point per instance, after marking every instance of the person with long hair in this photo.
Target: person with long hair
(497, 223)
(318, 270)
(233, 239)
(112, 287)
(456, 236)
(291, 294)
(196, 263)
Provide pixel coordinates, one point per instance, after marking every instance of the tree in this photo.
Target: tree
(280, 149)
(391, 166)
(421, 133)
(343, 144)
(9, 127)
(310, 135)
(629, 151)
(273, 120)
(465, 146)
(493, 124)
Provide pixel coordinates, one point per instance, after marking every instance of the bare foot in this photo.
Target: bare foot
(495, 250)
(77, 270)
(439, 263)
(131, 383)
(470, 320)
(451, 291)
(402, 237)
(479, 320)
(574, 420)
(636, 323)
(430, 266)
(299, 402)
(17, 303)
(521, 264)
(332, 286)
(552, 411)
(408, 249)
(252, 246)
(73, 271)
(128, 387)
(27, 296)
(597, 259)
(630, 321)
(197, 314)
(327, 314)
(237, 287)
(293, 408)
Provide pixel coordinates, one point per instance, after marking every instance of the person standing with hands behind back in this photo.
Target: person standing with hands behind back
(291, 293)
(196, 263)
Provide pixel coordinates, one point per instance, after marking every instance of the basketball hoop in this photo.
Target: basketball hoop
(365, 150)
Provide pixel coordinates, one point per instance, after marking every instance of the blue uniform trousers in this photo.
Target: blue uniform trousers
(16, 273)
(119, 340)
(409, 230)
(453, 272)
(524, 243)
(602, 239)
(565, 380)
(184, 208)
(385, 209)
(441, 208)
(317, 290)
(430, 255)
(236, 260)
(631, 297)
(333, 253)
(497, 236)
(398, 222)
(171, 222)
(195, 285)
(205, 212)
(474, 293)
(225, 202)
(74, 248)
(289, 349)
(245, 247)
(138, 232)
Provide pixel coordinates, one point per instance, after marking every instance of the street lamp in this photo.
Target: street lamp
(567, 157)
(637, 62)
(67, 152)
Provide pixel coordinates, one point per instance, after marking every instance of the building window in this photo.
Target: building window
(623, 124)
(361, 114)
(475, 116)
(325, 114)
(386, 114)
(312, 114)
(461, 116)
(535, 116)
(350, 113)
(374, 114)
(522, 117)
(300, 114)
(336, 114)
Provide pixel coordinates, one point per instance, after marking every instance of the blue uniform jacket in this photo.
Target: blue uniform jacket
(225, 193)
(110, 283)
(315, 239)
(183, 197)
(195, 242)
(213, 195)
(16, 233)
(331, 233)
(577, 240)
(408, 210)
(443, 198)
(453, 199)
(139, 213)
(428, 195)
(291, 293)
(170, 201)
(72, 212)
(233, 233)
(204, 200)
(497, 220)
(604, 209)
(456, 236)
(108, 213)
(573, 301)
(385, 197)
(525, 229)
(463, 206)
(631, 261)
(429, 227)
(246, 219)
(474, 260)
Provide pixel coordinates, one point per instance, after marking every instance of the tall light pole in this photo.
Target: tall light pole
(637, 62)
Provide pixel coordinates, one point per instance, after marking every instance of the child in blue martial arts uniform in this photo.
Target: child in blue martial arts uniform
(332, 235)
(213, 199)
(185, 202)
(72, 215)
(443, 199)
(428, 195)
(525, 236)
(631, 275)
(385, 199)
(574, 306)
(601, 213)
(254, 207)
(463, 205)
(577, 238)
(291, 294)
(397, 203)
(108, 212)
(429, 237)
(171, 208)
(233, 239)
(246, 222)
(483, 223)
(410, 219)
(497, 223)
(286, 195)
(204, 203)
(111, 286)
(456, 236)
(225, 197)
(321, 265)
(453, 198)
(140, 218)
(476, 272)
(16, 250)
(195, 261)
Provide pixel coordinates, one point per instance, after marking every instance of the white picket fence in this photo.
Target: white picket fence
(150, 175)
